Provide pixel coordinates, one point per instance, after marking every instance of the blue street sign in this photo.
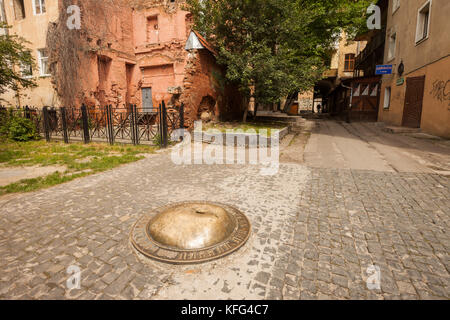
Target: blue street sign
(384, 69)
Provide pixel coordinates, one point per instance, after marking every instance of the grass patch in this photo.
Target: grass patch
(79, 159)
(256, 126)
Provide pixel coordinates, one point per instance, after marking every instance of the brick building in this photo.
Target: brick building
(132, 52)
(30, 19)
(328, 91)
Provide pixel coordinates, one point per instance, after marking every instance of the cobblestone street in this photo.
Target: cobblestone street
(315, 231)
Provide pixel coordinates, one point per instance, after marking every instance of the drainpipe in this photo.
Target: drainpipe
(351, 100)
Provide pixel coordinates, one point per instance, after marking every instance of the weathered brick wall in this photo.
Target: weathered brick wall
(198, 83)
(113, 57)
(106, 32)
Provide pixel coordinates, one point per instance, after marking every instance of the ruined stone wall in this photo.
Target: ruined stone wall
(125, 47)
(192, 78)
(105, 35)
(200, 90)
(160, 34)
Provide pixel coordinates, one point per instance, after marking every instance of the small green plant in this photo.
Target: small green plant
(21, 129)
(157, 140)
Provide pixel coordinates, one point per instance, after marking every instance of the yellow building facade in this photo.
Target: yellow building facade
(417, 94)
(30, 19)
(342, 66)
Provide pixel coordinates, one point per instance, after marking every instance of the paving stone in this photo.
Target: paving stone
(262, 277)
(315, 232)
(290, 293)
(339, 280)
(291, 280)
(110, 277)
(406, 287)
(274, 294)
(276, 283)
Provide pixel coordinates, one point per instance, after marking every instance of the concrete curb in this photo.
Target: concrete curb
(240, 139)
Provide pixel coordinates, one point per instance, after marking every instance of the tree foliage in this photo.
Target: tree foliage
(22, 129)
(279, 46)
(16, 127)
(13, 55)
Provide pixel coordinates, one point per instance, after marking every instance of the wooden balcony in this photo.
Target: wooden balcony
(373, 45)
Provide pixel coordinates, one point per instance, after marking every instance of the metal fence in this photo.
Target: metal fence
(104, 124)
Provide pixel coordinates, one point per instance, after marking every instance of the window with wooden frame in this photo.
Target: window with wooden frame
(26, 71)
(39, 7)
(392, 46)
(349, 65)
(19, 9)
(387, 98)
(43, 62)
(423, 22)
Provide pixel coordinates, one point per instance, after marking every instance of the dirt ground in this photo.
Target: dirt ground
(10, 175)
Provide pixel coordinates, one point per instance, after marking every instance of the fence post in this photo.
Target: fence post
(64, 124)
(165, 125)
(160, 129)
(108, 132)
(27, 112)
(182, 120)
(132, 120)
(84, 116)
(136, 124)
(110, 124)
(182, 116)
(46, 124)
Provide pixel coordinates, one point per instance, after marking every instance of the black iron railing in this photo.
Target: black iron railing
(110, 124)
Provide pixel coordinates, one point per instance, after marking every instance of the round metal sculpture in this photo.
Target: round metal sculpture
(190, 232)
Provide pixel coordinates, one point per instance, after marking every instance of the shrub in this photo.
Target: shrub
(21, 129)
(5, 117)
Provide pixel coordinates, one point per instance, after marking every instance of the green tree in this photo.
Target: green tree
(14, 57)
(277, 46)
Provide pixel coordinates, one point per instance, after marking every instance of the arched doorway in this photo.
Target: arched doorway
(207, 109)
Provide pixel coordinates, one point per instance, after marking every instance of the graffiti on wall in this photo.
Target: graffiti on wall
(441, 91)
